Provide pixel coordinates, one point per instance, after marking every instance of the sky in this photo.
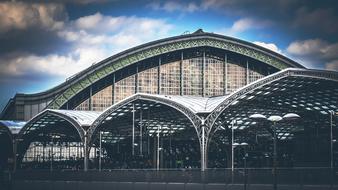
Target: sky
(44, 42)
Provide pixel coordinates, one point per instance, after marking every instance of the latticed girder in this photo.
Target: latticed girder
(310, 93)
(66, 125)
(286, 90)
(172, 112)
(115, 63)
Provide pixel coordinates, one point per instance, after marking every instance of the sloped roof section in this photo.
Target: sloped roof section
(194, 103)
(13, 126)
(83, 118)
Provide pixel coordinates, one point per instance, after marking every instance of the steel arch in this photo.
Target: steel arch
(318, 74)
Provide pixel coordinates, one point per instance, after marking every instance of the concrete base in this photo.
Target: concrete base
(84, 185)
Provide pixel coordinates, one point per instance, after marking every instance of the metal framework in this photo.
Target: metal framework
(153, 49)
(255, 86)
(50, 120)
(290, 89)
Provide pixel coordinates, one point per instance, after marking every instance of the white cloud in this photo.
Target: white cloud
(114, 33)
(172, 6)
(270, 46)
(244, 24)
(249, 23)
(18, 15)
(332, 65)
(53, 65)
(315, 47)
(92, 38)
(306, 47)
(316, 53)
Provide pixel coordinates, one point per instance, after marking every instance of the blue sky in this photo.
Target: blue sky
(44, 42)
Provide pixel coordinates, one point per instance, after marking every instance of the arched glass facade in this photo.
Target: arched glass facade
(194, 76)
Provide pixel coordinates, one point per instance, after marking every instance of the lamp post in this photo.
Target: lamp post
(158, 149)
(245, 172)
(100, 155)
(232, 147)
(332, 114)
(274, 119)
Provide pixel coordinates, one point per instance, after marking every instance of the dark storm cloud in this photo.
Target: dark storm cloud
(301, 26)
(301, 16)
(32, 40)
(67, 1)
(31, 27)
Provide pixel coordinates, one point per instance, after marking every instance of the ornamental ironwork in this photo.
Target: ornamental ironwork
(124, 59)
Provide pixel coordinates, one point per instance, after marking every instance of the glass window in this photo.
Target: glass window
(124, 88)
(214, 77)
(192, 76)
(102, 99)
(170, 78)
(254, 75)
(148, 81)
(236, 77)
(84, 106)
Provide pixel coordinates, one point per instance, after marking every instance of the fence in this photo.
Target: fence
(308, 176)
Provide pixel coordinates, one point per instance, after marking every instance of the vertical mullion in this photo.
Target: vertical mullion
(90, 98)
(113, 90)
(247, 72)
(136, 79)
(225, 74)
(181, 74)
(203, 75)
(159, 81)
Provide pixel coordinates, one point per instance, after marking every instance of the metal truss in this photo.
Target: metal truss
(5, 130)
(234, 98)
(41, 121)
(294, 84)
(137, 54)
(190, 115)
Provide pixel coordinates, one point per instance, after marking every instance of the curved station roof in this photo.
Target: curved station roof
(58, 97)
(285, 91)
(277, 86)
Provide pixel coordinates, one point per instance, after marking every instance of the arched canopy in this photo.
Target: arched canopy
(168, 110)
(8, 129)
(68, 124)
(310, 93)
(103, 69)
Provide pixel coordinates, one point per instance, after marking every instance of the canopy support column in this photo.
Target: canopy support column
(85, 146)
(203, 147)
(14, 155)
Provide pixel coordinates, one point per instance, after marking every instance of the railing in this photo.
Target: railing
(306, 176)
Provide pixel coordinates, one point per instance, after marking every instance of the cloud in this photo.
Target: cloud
(80, 2)
(270, 46)
(23, 24)
(52, 65)
(18, 15)
(332, 65)
(315, 53)
(80, 43)
(172, 6)
(325, 19)
(114, 33)
(317, 47)
(90, 39)
(249, 23)
(245, 24)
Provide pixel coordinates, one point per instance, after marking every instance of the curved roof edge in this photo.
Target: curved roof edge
(199, 35)
(313, 73)
(12, 127)
(79, 119)
(152, 49)
(187, 112)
